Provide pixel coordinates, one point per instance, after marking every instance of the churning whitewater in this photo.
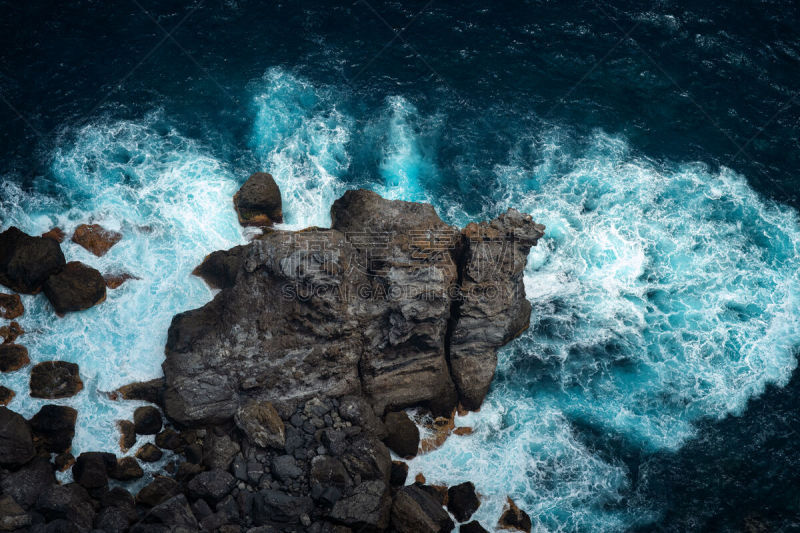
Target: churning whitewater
(662, 292)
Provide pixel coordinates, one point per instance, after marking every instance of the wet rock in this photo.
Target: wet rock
(115, 281)
(399, 474)
(514, 518)
(169, 439)
(147, 391)
(402, 434)
(11, 306)
(11, 332)
(53, 428)
(219, 269)
(26, 262)
(13, 357)
(212, 485)
(126, 469)
(66, 502)
(149, 453)
(472, 527)
(159, 490)
(462, 501)
(174, 512)
(262, 424)
(219, 451)
(28, 482)
(6, 395)
(55, 379)
(16, 441)
(147, 420)
(95, 238)
(75, 288)
(367, 508)
(12, 516)
(258, 202)
(127, 434)
(55, 234)
(91, 469)
(415, 511)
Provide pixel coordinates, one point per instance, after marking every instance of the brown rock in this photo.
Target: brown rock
(55, 234)
(10, 306)
(159, 490)
(462, 501)
(64, 461)
(147, 391)
(127, 434)
(75, 288)
(262, 424)
(6, 395)
(403, 434)
(127, 468)
(463, 430)
(11, 332)
(399, 473)
(55, 379)
(147, 420)
(419, 478)
(258, 202)
(16, 442)
(417, 511)
(13, 357)
(95, 238)
(26, 262)
(114, 281)
(514, 518)
(53, 428)
(149, 453)
(219, 269)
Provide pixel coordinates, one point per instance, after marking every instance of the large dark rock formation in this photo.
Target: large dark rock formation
(26, 262)
(258, 202)
(372, 306)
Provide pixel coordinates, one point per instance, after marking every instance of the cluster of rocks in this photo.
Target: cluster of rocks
(285, 395)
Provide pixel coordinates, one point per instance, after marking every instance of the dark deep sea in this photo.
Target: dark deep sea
(658, 141)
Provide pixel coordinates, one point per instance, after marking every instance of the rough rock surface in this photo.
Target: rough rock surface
(16, 441)
(402, 434)
(514, 518)
(365, 307)
(262, 424)
(6, 395)
(26, 262)
(11, 332)
(258, 202)
(55, 379)
(147, 420)
(416, 511)
(75, 288)
(462, 501)
(13, 357)
(10, 306)
(53, 428)
(55, 234)
(95, 238)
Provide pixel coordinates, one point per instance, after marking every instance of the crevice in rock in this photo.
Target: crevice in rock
(459, 254)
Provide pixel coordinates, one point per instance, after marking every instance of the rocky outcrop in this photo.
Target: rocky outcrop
(75, 288)
(95, 238)
(55, 379)
(258, 202)
(26, 261)
(10, 306)
(55, 234)
(369, 307)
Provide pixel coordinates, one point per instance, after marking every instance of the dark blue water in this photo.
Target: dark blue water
(659, 142)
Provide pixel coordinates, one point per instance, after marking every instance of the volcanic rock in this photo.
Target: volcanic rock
(258, 202)
(402, 434)
(12, 516)
(11, 332)
(11, 306)
(6, 395)
(148, 391)
(462, 501)
(159, 490)
(95, 238)
(114, 281)
(26, 262)
(262, 424)
(219, 451)
(13, 357)
(126, 469)
(70, 503)
(271, 506)
(55, 379)
(472, 527)
(169, 439)
(91, 469)
(53, 428)
(147, 420)
(174, 513)
(75, 288)
(416, 511)
(212, 485)
(127, 434)
(55, 234)
(514, 518)
(28, 482)
(219, 269)
(16, 441)
(149, 453)
(399, 474)
(367, 508)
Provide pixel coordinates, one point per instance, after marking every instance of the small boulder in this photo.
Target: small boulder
(366, 509)
(91, 469)
(270, 506)
(11, 306)
(159, 490)
(462, 501)
(64, 461)
(169, 439)
(212, 485)
(147, 420)
(11, 332)
(285, 468)
(514, 518)
(174, 513)
(218, 451)
(95, 238)
(26, 262)
(262, 424)
(13, 357)
(399, 474)
(416, 511)
(149, 453)
(28, 482)
(75, 288)
(127, 434)
(55, 234)
(6, 395)
(258, 202)
(115, 281)
(53, 428)
(16, 441)
(473, 527)
(126, 469)
(402, 434)
(70, 503)
(12, 516)
(55, 379)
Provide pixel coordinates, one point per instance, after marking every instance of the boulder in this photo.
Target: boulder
(175, 513)
(53, 428)
(12, 516)
(147, 420)
(28, 482)
(462, 501)
(367, 458)
(169, 439)
(473, 527)
(64, 461)
(285, 468)
(55, 234)
(13, 357)
(75, 288)
(270, 506)
(26, 262)
(11, 306)
(11, 332)
(55, 379)
(91, 469)
(95, 238)
(127, 434)
(159, 490)
(120, 498)
(16, 441)
(416, 511)
(402, 434)
(399, 474)
(514, 518)
(149, 453)
(258, 201)
(147, 391)
(262, 424)
(366, 508)
(359, 412)
(219, 269)
(6, 395)
(126, 469)
(212, 485)
(112, 520)
(70, 503)
(219, 451)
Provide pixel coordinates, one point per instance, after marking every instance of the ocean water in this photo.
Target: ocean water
(656, 386)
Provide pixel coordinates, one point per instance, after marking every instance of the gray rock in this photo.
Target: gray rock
(367, 507)
(66, 502)
(219, 451)
(462, 501)
(112, 520)
(416, 511)
(12, 516)
(275, 506)
(28, 482)
(174, 512)
(285, 468)
(212, 485)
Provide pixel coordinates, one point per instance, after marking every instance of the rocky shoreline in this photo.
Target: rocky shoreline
(283, 396)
